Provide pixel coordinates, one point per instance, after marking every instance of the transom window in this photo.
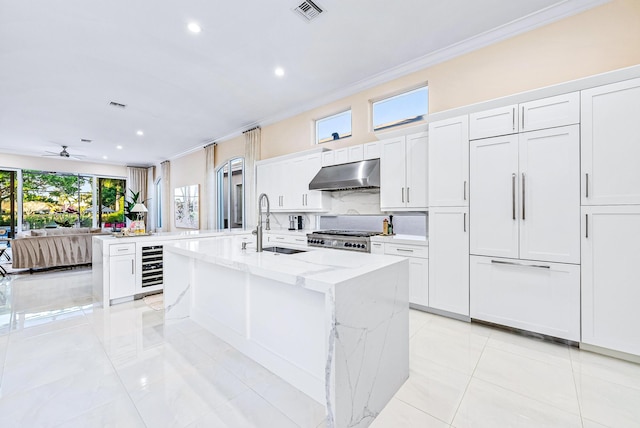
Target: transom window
(335, 127)
(401, 109)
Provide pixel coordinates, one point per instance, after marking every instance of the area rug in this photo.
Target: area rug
(155, 301)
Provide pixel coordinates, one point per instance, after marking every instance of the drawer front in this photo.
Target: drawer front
(377, 248)
(122, 249)
(300, 241)
(407, 250)
(530, 295)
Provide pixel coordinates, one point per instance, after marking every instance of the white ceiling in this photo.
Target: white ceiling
(63, 61)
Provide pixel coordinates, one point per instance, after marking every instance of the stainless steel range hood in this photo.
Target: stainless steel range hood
(356, 175)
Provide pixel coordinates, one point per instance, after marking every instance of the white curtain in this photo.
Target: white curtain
(167, 203)
(252, 139)
(210, 185)
(137, 183)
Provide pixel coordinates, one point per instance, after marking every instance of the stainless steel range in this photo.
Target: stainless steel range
(341, 239)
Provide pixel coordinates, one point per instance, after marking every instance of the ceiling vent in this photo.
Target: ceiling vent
(115, 104)
(308, 10)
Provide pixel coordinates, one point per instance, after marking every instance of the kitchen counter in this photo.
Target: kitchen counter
(402, 239)
(332, 323)
(116, 279)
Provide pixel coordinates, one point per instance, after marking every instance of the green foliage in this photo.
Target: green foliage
(135, 196)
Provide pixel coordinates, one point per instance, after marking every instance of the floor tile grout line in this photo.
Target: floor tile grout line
(420, 410)
(466, 389)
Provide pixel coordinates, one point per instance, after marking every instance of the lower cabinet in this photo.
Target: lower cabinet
(610, 272)
(536, 296)
(449, 259)
(418, 270)
(122, 271)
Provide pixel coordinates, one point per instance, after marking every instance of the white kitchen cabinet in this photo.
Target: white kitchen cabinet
(356, 153)
(270, 180)
(328, 158)
(403, 173)
(524, 201)
(371, 150)
(494, 196)
(341, 156)
(611, 144)
(536, 296)
(449, 162)
(377, 247)
(122, 270)
(610, 272)
(418, 270)
(286, 183)
(449, 259)
(290, 240)
(550, 112)
(494, 122)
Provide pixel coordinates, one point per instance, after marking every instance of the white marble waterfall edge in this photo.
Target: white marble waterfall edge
(351, 309)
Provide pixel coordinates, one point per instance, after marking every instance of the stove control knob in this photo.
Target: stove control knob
(322, 242)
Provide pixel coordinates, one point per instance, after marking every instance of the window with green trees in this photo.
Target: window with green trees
(56, 199)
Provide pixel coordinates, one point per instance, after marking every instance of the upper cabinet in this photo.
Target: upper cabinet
(491, 123)
(550, 112)
(449, 162)
(403, 173)
(286, 183)
(544, 113)
(611, 144)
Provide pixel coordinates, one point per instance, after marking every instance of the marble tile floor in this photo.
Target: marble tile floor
(66, 363)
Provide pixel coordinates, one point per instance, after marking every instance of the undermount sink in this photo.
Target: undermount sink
(282, 250)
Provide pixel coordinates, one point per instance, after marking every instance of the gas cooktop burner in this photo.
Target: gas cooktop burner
(341, 239)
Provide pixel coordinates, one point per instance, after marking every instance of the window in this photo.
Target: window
(230, 190)
(408, 107)
(333, 127)
(52, 199)
(111, 204)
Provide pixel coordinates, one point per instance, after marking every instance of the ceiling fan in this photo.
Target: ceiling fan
(64, 154)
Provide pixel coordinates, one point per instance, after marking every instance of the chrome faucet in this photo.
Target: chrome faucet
(258, 231)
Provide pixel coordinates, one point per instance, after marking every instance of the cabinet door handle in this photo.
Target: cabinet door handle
(408, 195)
(523, 118)
(586, 185)
(514, 119)
(586, 225)
(306, 199)
(464, 190)
(523, 197)
(513, 196)
(464, 222)
(501, 262)
(132, 267)
(403, 195)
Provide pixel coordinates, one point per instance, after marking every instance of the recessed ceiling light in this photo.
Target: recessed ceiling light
(194, 27)
(279, 71)
(119, 147)
(140, 133)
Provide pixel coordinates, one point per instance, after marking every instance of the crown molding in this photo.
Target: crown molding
(522, 25)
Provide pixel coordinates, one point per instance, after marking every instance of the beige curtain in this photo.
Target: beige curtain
(252, 139)
(137, 182)
(210, 185)
(167, 203)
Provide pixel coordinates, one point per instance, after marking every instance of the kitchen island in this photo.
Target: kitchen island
(334, 324)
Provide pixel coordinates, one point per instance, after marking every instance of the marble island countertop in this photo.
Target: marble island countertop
(315, 269)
